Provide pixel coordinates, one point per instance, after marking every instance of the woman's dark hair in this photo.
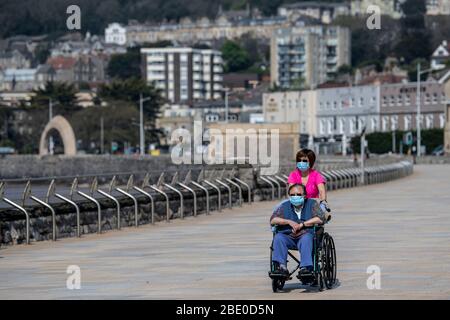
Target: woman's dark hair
(297, 185)
(308, 153)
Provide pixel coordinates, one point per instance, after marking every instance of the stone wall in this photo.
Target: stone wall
(33, 166)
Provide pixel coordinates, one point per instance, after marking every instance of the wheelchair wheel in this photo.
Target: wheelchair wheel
(328, 259)
(277, 284)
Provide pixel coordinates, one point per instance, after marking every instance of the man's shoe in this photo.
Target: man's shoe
(279, 270)
(305, 275)
(308, 270)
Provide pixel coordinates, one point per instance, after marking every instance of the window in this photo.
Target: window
(384, 101)
(435, 98)
(429, 121)
(407, 122)
(427, 98)
(407, 100)
(399, 100)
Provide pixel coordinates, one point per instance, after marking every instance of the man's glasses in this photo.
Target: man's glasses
(303, 160)
(296, 194)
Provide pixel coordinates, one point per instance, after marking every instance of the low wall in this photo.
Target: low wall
(33, 166)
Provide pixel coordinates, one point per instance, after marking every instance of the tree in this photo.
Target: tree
(60, 93)
(236, 58)
(124, 66)
(129, 91)
(415, 39)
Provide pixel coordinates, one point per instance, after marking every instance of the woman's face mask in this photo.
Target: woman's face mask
(297, 200)
(302, 165)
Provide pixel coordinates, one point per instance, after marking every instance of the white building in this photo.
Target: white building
(185, 74)
(323, 11)
(387, 7)
(345, 111)
(438, 7)
(292, 106)
(116, 33)
(308, 55)
(440, 55)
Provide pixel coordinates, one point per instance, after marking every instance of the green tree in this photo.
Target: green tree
(124, 66)
(129, 91)
(236, 58)
(63, 94)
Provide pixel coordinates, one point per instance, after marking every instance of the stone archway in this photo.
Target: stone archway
(60, 124)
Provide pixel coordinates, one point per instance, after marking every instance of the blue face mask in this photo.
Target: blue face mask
(297, 200)
(303, 166)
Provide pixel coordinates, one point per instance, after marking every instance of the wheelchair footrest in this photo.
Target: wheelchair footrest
(306, 277)
(279, 276)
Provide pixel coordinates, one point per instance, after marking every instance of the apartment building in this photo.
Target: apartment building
(323, 11)
(390, 8)
(184, 74)
(398, 106)
(332, 113)
(204, 29)
(308, 55)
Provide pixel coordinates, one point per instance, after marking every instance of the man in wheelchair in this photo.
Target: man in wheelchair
(294, 220)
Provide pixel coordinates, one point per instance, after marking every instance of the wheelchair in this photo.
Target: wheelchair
(324, 260)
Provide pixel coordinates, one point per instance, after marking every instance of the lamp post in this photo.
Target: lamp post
(50, 117)
(141, 123)
(363, 146)
(226, 106)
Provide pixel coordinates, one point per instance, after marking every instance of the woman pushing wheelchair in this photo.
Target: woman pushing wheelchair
(306, 175)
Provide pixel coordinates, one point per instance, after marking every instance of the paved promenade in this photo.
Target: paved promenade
(401, 226)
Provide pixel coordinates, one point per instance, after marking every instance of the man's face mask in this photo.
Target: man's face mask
(297, 200)
(303, 165)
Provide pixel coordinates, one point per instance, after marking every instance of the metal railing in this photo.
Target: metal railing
(206, 184)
